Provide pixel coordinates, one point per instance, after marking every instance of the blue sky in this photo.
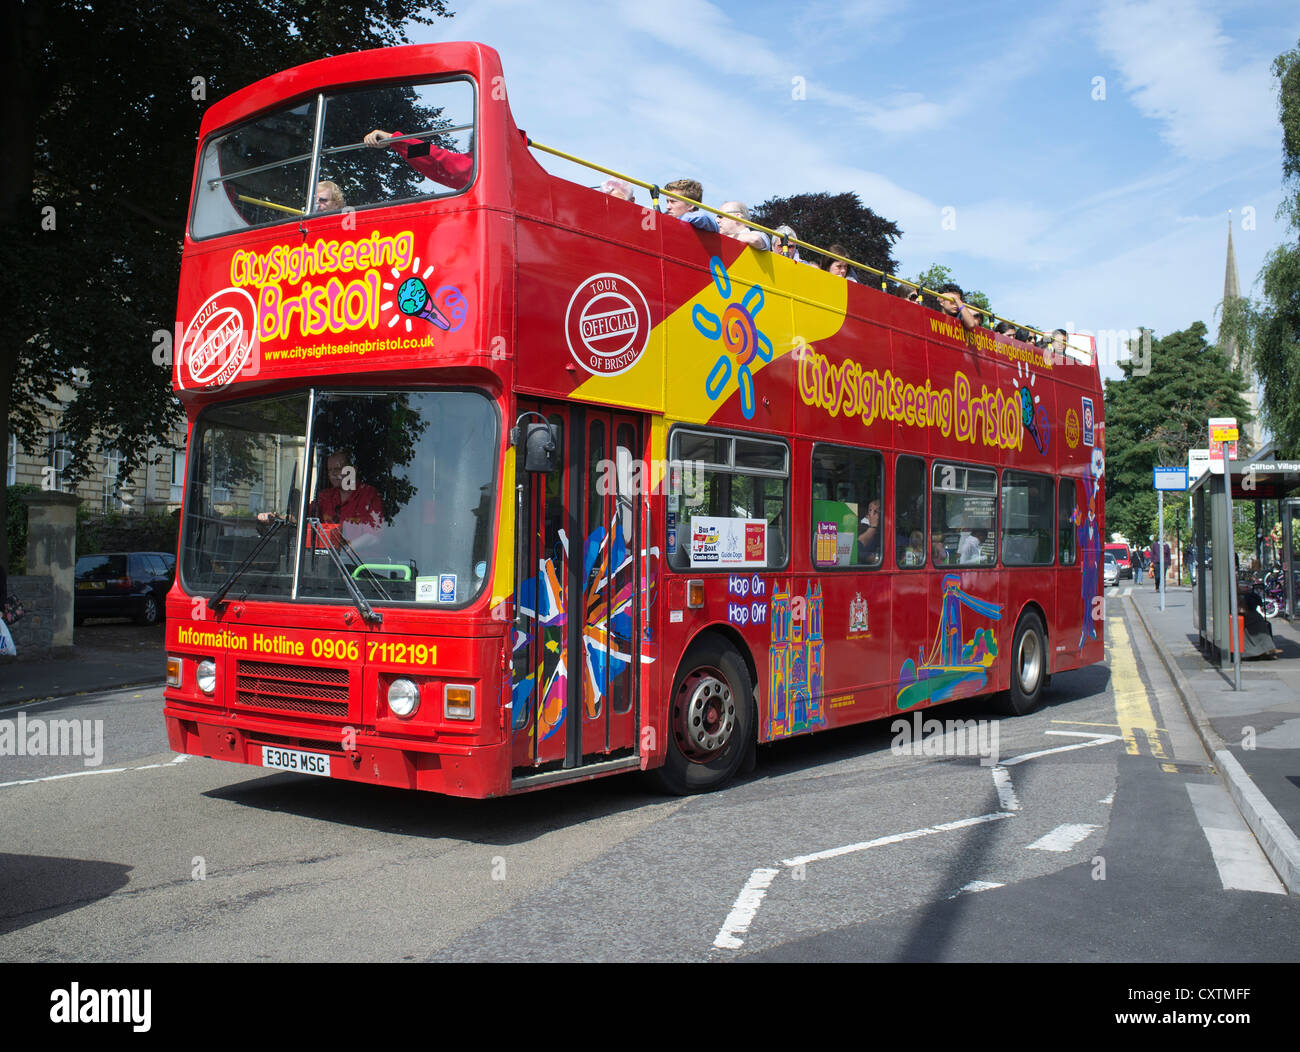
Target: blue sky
(1067, 208)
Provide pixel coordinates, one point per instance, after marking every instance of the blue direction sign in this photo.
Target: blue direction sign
(1169, 478)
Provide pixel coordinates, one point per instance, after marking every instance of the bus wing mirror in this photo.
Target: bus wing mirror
(541, 449)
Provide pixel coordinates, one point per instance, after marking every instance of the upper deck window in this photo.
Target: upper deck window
(311, 157)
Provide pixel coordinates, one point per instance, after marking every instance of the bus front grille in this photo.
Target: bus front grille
(292, 688)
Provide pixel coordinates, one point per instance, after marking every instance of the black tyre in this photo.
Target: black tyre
(710, 720)
(149, 611)
(1028, 667)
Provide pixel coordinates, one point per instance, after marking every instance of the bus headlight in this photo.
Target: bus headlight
(205, 675)
(403, 697)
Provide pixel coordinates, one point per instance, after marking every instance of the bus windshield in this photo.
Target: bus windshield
(312, 157)
(399, 484)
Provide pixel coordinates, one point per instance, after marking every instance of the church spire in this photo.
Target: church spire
(1231, 291)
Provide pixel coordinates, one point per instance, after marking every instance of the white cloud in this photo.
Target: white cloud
(1180, 69)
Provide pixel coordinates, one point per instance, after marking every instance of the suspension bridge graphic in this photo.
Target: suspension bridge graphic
(952, 669)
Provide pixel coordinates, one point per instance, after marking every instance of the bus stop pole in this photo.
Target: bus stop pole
(1233, 623)
(1160, 543)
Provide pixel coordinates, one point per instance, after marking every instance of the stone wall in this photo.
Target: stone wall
(34, 634)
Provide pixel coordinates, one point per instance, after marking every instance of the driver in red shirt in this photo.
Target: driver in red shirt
(347, 500)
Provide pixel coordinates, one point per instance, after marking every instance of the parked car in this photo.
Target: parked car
(123, 584)
(1123, 558)
(1110, 569)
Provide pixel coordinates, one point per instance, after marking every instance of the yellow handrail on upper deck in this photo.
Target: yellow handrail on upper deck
(656, 191)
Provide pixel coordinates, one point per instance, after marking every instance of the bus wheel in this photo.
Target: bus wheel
(710, 720)
(1028, 667)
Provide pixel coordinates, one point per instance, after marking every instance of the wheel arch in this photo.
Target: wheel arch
(729, 635)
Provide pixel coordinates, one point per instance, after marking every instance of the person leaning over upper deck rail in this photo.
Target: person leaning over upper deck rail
(445, 167)
(731, 225)
(686, 212)
(951, 303)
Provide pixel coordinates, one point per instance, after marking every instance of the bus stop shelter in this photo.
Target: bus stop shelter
(1263, 478)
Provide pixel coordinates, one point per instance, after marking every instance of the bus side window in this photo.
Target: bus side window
(909, 512)
(849, 530)
(1065, 524)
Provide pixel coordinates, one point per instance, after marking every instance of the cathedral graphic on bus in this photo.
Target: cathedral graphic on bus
(794, 660)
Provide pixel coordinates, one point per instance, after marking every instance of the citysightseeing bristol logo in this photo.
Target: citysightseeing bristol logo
(219, 341)
(607, 324)
(741, 338)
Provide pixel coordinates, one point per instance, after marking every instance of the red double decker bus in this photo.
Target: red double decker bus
(495, 481)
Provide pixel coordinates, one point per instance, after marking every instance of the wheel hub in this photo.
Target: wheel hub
(1030, 663)
(704, 716)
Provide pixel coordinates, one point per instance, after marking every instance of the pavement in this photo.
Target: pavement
(104, 655)
(1253, 735)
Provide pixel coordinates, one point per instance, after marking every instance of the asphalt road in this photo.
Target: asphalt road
(1099, 836)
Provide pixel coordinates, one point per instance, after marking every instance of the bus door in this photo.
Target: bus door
(579, 614)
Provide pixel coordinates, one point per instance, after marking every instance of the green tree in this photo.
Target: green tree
(828, 219)
(99, 118)
(1154, 419)
(1268, 330)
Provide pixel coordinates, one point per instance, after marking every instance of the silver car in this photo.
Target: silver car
(1110, 570)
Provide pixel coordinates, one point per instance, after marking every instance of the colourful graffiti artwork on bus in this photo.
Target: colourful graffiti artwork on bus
(1088, 531)
(796, 669)
(1032, 413)
(608, 568)
(953, 669)
(741, 338)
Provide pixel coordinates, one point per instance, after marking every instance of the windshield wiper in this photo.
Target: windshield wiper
(215, 600)
(368, 612)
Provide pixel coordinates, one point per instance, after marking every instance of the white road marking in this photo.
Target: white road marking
(745, 907)
(98, 770)
(755, 890)
(1108, 800)
(1238, 858)
(896, 838)
(975, 886)
(1062, 838)
(1006, 791)
(1100, 739)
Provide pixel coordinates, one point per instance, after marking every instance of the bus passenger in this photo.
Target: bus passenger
(869, 539)
(950, 302)
(839, 268)
(445, 167)
(938, 551)
(731, 226)
(970, 546)
(785, 249)
(329, 197)
(1059, 338)
(685, 211)
(618, 188)
(914, 554)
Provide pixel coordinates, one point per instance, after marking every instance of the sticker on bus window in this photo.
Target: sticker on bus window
(426, 589)
(824, 552)
(447, 588)
(719, 542)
